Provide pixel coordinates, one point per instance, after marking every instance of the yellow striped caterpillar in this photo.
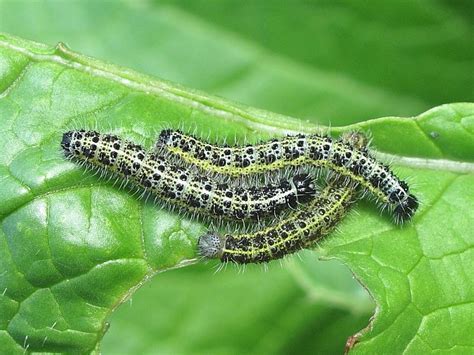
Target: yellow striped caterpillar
(299, 230)
(319, 151)
(181, 187)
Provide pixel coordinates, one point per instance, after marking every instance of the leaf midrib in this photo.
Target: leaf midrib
(425, 163)
(279, 124)
(147, 85)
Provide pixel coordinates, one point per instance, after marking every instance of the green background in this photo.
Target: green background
(330, 63)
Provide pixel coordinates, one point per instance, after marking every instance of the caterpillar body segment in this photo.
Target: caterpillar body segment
(301, 229)
(181, 187)
(347, 157)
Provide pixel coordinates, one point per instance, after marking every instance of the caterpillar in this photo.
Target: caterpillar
(292, 151)
(301, 229)
(178, 186)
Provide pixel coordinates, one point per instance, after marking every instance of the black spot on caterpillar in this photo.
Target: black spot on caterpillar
(176, 185)
(300, 230)
(337, 155)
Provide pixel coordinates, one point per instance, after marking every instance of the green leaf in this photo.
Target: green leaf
(253, 312)
(254, 54)
(76, 246)
(342, 63)
(419, 274)
(364, 41)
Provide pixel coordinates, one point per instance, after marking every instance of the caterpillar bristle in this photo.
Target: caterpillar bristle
(405, 211)
(292, 233)
(114, 159)
(348, 157)
(287, 168)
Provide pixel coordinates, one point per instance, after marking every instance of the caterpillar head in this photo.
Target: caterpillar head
(305, 186)
(406, 209)
(405, 203)
(66, 142)
(71, 142)
(210, 246)
(165, 135)
(81, 143)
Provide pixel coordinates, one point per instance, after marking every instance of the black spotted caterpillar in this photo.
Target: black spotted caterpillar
(300, 230)
(179, 186)
(344, 159)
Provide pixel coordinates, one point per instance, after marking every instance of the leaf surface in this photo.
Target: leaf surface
(261, 59)
(366, 42)
(76, 246)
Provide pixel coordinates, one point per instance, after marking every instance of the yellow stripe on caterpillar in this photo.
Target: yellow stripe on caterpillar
(300, 230)
(182, 187)
(346, 157)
